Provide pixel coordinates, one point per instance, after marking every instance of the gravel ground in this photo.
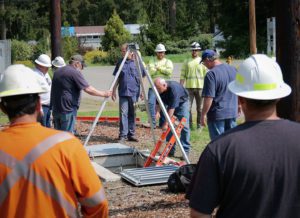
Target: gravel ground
(126, 200)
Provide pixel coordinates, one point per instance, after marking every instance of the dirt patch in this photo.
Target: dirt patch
(126, 200)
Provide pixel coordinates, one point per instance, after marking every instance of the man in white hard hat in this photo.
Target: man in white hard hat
(220, 107)
(42, 65)
(253, 169)
(158, 67)
(48, 168)
(58, 62)
(68, 82)
(192, 74)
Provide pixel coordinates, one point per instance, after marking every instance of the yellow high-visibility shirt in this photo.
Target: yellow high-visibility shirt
(160, 68)
(193, 73)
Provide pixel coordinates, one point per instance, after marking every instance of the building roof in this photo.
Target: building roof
(133, 29)
(89, 30)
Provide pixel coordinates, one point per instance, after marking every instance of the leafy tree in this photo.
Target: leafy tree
(115, 33)
(234, 22)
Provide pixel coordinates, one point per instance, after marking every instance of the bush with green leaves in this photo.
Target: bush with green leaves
(69, 46)
(96, 57)
(20, 51)
(42, 47)
(113, 55)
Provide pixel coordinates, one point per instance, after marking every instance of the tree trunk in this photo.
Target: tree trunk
(3, 24)
(55, 19)
(172, 6)
(288, 55)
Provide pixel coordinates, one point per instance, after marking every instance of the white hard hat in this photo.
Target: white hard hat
(43, 60)
(195, 46)
(58, 62)
(19, 80)
(259, 77)
(160, 48)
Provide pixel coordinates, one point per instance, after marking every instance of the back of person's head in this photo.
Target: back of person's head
(209, 54)
(43, 60)
(58, 62)
(77, 58)
(19, 89)
(259, 78)
(19, 105)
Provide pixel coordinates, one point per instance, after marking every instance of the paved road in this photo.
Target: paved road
(101, 77)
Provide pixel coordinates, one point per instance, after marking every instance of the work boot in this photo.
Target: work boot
(132, 139)
(121, 140)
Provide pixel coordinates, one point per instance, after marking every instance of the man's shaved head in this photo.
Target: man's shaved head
(160, 84)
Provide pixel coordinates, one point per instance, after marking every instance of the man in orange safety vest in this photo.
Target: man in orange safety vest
(43, 172)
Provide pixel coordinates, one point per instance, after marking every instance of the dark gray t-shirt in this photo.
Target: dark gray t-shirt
(224, 105)
(251, 171)
(67, 84)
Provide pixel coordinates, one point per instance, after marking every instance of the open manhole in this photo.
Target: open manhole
(128, 163)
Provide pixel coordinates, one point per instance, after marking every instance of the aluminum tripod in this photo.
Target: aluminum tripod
(129, 49)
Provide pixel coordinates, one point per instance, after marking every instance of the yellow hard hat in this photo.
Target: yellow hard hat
(19, 80)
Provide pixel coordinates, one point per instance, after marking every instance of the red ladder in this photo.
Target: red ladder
(169, 145)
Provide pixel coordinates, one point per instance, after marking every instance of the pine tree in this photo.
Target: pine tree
(115, 33)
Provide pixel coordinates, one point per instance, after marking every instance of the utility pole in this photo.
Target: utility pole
(288, 55)
(3, 24)
(55, 19)
(252, 27)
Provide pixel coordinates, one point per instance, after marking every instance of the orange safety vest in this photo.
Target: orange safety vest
(47, 179)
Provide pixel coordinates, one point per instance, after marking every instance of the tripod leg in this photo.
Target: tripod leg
(137, 63)
(106, 99)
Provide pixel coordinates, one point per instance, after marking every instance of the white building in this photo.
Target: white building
(90, 36)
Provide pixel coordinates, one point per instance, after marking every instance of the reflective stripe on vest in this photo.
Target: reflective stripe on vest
(22, 169)
(94, 200)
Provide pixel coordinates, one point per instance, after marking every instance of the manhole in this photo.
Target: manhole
(128, 163)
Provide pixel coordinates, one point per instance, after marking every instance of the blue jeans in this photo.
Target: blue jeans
(152, 104)
(127, 117)
(182, 111)
(218, 127)
(46, 117)
(65, 122)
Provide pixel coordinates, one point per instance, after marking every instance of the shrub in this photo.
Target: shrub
(42, 47)
(113, 55)
(95, 57)
(27, 63)
(20, 51)
(69, 46)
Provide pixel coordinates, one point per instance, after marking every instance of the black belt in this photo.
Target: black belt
(44, 105)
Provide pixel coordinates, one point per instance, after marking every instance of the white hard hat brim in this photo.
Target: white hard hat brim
(160, 50)
(54, 63)
(42, 64)
(192, 49)
(282, 91)
(22, 91)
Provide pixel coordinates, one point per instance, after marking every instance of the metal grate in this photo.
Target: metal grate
(148, 175)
